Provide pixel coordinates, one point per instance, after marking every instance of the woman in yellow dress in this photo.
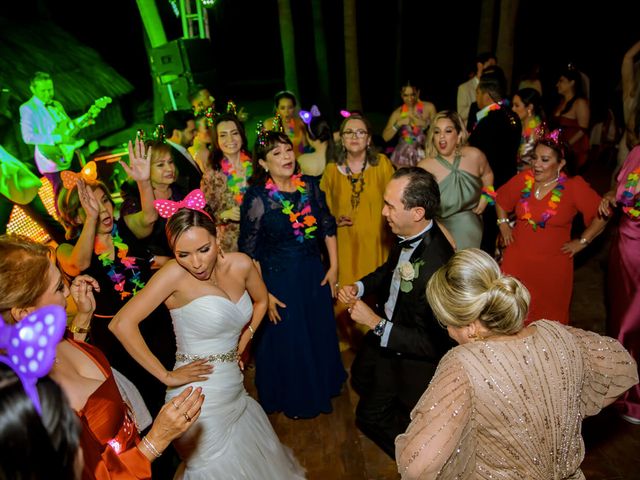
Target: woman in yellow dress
(354, 186)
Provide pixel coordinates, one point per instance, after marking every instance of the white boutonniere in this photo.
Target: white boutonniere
(408, 273)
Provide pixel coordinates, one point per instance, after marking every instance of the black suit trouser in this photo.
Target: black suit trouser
(389, 386)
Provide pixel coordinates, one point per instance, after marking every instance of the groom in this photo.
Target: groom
(400, 353)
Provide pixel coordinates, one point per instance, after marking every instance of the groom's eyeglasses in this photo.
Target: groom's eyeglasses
(355, 133)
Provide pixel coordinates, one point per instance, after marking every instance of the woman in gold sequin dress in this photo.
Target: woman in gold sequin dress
(506, 402)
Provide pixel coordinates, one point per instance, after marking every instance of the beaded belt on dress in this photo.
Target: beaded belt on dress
(231, 356)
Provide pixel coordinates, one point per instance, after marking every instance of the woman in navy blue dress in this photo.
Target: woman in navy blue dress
(284, 216)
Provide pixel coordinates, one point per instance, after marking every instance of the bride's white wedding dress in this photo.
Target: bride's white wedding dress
(232, 438)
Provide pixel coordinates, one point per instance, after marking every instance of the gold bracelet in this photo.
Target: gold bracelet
(75, 329)
(251, 330)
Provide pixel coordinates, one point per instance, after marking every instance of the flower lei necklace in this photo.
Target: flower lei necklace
(129, 263)
(633, 211)
(302, 229)
(556, 196)
(492, 107)
(409, 135)
(236, 183)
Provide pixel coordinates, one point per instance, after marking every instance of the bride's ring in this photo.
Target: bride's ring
(186, 417)
(174, 404)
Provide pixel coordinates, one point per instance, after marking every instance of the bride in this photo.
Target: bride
(209, 294)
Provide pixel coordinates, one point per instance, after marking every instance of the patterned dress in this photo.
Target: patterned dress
(507, 409)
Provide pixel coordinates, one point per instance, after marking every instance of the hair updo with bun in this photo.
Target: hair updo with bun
(470, 286)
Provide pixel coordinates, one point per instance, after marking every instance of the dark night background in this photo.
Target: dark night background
(439, 44)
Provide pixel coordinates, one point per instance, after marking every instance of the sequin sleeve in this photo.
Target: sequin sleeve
(609, 370)
(439, 442)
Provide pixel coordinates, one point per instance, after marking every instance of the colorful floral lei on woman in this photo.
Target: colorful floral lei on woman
(237, 183)
(129, 263)
(302, 229)
(410, 135)
(556, 196)
(628, 206)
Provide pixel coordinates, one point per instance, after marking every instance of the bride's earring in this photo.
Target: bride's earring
(220, 251)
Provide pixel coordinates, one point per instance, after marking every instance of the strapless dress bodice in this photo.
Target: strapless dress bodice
(210, 325)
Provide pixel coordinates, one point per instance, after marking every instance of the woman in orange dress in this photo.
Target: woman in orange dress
(539, 249)
(111, 445)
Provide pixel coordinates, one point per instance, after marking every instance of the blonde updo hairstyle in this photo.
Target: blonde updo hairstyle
(470, 286)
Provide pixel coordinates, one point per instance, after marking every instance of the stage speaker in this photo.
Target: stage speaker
(174, 94)
(185, 56)
(177, 67)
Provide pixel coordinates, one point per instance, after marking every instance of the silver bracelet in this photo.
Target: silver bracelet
(151, 447)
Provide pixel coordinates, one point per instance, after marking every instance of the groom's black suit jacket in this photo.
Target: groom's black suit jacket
(417, 341)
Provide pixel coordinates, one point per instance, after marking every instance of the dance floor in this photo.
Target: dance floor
(331, 447)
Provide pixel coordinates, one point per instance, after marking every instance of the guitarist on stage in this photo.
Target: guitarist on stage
(45, 124)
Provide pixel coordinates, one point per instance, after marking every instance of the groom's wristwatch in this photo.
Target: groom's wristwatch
(379, 328)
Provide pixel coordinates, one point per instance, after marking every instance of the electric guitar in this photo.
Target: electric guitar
(71, 128)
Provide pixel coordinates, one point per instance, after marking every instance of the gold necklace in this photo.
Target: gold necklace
(539, 188)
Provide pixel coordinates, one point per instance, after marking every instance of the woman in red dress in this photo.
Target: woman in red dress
(539, 249)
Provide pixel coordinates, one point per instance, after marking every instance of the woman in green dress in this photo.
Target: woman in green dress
(464, 177)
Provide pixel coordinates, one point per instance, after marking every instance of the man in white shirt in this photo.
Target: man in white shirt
(467, 90)
(400, 353)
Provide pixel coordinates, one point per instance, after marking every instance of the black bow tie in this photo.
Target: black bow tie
(409, 243)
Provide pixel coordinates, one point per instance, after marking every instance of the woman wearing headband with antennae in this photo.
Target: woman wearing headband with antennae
(319, 137)
(284, 220)
(115, 254)
(212, 296)
(285, 104)
(226, 179)
(539, 248)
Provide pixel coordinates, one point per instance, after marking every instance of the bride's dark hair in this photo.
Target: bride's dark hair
(186, 218)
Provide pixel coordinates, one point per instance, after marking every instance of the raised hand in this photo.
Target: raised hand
(88, 200)
(82, 288)
(139, 160)
(195, 371)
